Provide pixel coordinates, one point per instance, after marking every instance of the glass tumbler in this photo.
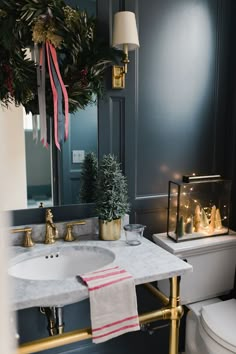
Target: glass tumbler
(133, 234)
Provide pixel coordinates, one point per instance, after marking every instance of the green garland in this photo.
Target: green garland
(83, 58)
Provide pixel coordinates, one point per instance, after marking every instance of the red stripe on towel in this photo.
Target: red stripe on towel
(102, 276)
(102, 270)
(109, 283)
(115, 323)
(116, 330)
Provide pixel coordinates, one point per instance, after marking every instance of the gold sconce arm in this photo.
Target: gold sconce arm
(28, 242)
(69, 236)
(126, 58)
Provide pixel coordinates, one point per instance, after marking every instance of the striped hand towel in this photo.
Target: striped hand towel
(113, 303)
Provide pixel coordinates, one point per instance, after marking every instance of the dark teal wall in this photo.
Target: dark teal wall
(173, 113)
(231, 119)
(176, 95)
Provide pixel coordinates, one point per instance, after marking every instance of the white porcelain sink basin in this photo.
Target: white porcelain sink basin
(63, 263)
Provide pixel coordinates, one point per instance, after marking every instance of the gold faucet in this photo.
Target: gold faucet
(51, 230)
(69, 236)
(28, 242)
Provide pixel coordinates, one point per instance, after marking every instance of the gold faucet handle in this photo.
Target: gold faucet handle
(69, 235)
(28, 242)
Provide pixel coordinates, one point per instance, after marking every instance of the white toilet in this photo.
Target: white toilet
(210, 322)
(211, 327)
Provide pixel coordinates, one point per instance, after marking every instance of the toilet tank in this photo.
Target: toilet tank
(213, 260)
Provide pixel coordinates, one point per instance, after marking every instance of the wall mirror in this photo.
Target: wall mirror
(53, 177)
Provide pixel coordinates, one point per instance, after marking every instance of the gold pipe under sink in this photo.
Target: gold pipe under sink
(157, 293)
(173, 312)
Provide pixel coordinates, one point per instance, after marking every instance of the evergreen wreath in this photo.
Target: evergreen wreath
(83, 58)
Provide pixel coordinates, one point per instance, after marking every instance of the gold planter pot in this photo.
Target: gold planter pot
(109, 230)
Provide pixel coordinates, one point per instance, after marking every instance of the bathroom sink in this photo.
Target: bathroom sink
(62, 263)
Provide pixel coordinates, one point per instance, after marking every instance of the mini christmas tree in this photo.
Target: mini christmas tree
(88, 178)
(112, 196)
(204, 219)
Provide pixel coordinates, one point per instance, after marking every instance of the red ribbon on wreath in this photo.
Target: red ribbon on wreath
(59, 94)
(57, 85)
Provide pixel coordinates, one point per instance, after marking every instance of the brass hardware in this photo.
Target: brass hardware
(172, 312)
(28, 242)
(157, 293)
(51, 230)
(69, 236)
(118, 77)
(60, 329)
(119, 72)
(55, 341)
(54, 317)
(177, 313)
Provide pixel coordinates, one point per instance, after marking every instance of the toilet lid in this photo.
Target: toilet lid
(219, 321)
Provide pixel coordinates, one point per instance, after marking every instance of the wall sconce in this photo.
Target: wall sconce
(125, 37)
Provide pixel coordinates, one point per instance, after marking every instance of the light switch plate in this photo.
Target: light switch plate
(78, 156)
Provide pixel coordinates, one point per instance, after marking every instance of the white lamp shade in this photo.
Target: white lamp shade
(125, 30)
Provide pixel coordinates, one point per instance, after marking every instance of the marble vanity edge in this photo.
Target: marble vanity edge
(146, 262)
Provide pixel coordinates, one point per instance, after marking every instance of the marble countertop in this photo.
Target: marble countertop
(146, 262)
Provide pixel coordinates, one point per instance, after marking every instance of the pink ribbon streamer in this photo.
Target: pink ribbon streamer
(55, 97)
(65, 94)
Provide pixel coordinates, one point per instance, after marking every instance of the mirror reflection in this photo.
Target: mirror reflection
(41, 169)
(43, 176)
(38, 180)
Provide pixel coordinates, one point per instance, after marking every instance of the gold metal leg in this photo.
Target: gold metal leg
(176, 314)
